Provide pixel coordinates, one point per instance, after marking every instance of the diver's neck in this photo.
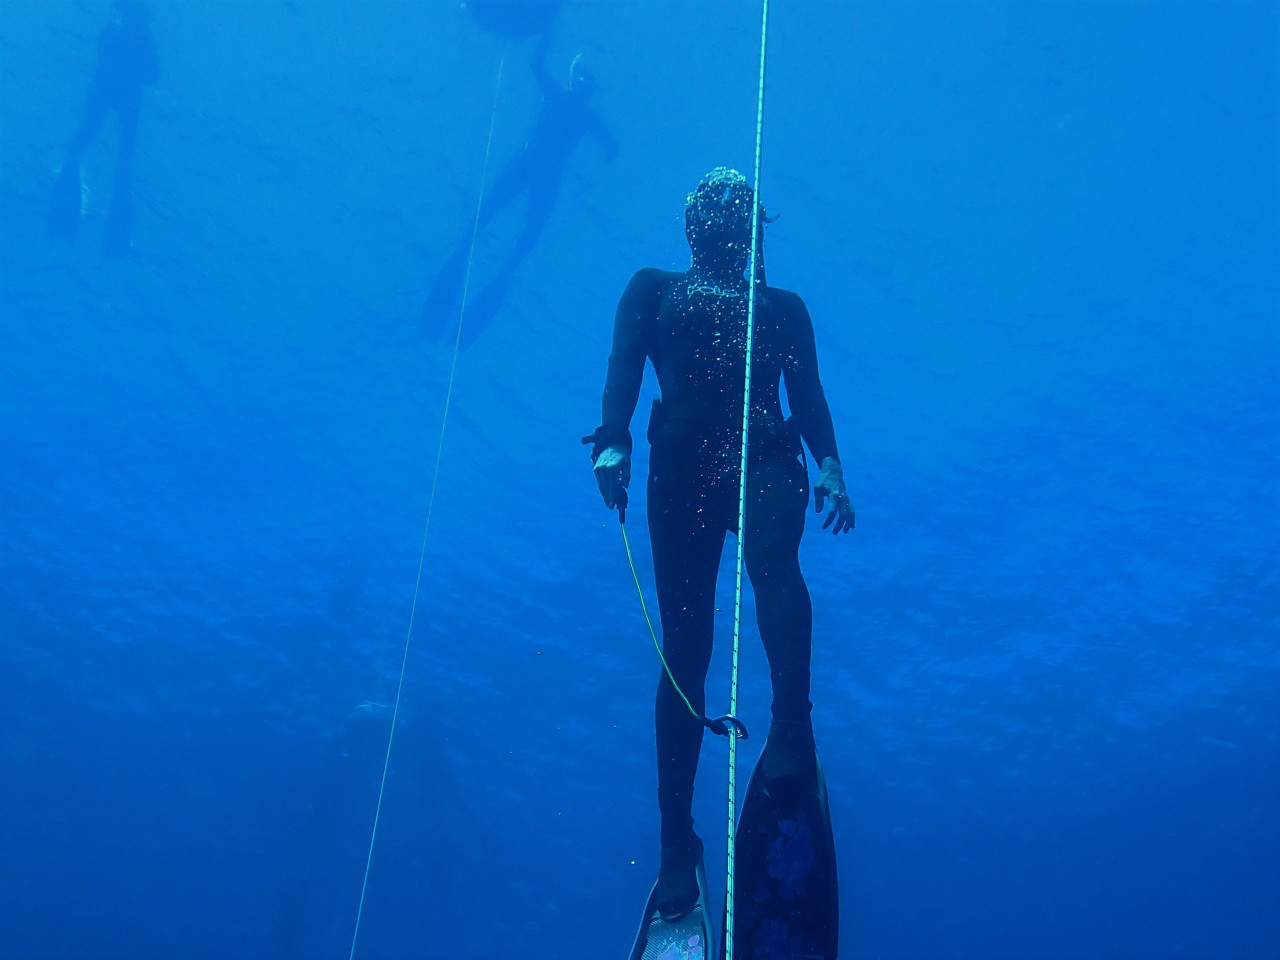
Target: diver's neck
(718, 269)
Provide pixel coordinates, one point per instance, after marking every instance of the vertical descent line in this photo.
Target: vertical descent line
(730, 863)
(431, 501)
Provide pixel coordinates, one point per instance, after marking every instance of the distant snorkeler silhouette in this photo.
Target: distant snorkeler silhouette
(536, 171)
(127, 62)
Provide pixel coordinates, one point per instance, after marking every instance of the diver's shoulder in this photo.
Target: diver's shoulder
(653, 278)
(784, 301)
(658, 275)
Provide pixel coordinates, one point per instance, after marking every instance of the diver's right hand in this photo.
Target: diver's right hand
(613, 474)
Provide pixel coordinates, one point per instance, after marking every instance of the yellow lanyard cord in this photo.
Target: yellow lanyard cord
(652, 633)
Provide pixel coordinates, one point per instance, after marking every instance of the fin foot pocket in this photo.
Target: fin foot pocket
(691, 936)
(676, 891)
(788, 764)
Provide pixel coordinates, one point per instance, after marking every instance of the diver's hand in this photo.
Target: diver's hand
(830, 485)
(613, 474)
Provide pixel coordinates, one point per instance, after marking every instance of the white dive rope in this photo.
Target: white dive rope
(742, 493)
(431, 500)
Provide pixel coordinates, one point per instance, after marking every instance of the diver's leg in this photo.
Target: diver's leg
(686, 556)
(95, 112)
(119, 233)
(128, 115)
(510, 183)
(543, 192)
(441, 313)
(779, 493)
(64, 206)
(485, 306)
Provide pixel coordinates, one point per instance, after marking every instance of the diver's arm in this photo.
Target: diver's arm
(539, 67)
(632, 332)
(805, 395)
(809, 408)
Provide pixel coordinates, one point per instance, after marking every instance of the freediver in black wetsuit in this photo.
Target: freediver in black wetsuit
(536, 171)
(692, 328)
(127, 62)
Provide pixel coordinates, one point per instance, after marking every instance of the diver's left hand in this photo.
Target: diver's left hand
(830, 486)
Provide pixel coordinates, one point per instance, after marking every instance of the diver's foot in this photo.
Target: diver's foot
(789, 763)
(677, 889)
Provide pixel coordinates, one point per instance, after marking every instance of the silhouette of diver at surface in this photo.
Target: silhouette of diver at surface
(536, 171)
(127, 62)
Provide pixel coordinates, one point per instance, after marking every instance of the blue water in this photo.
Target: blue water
(1039, 243)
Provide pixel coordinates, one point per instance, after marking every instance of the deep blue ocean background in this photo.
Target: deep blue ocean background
(1039, 242)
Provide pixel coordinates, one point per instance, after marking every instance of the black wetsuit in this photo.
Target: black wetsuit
(693, 330)
(536, 171)
(127, 62)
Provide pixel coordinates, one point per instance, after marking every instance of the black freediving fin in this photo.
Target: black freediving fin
(692, 937)
(786, 901)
